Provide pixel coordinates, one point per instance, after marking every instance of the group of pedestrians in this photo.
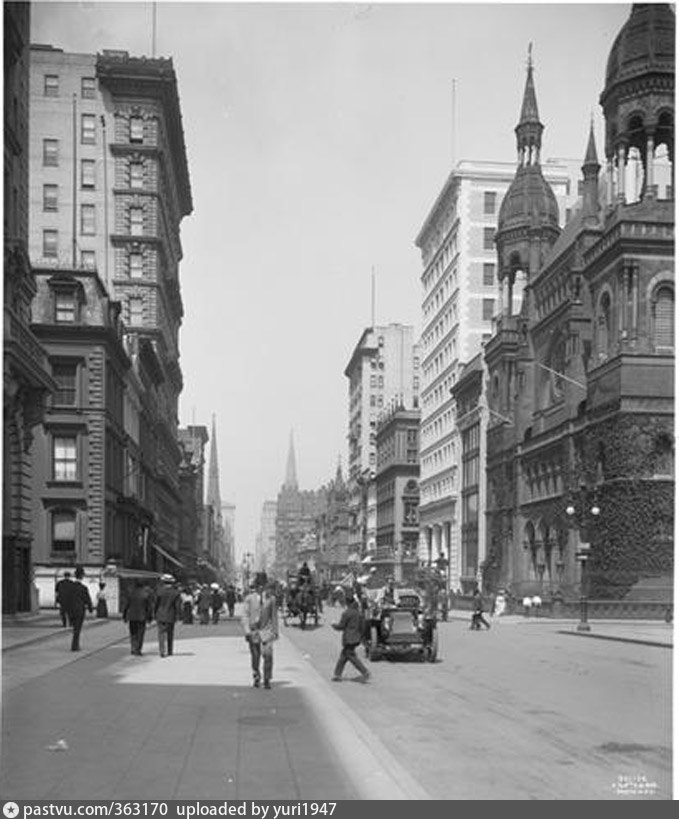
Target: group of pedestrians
(207, 603)
(143, 606)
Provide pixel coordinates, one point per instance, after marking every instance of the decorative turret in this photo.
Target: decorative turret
(590, 173)
(638, 99)
(528, 220)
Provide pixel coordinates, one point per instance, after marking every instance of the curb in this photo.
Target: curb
(59, 632)
(636, 640)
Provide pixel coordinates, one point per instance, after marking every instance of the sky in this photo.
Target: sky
(318, 137)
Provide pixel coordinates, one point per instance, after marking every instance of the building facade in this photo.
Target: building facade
(109, 187)
(27, 382)
(398, 493)
(383, 368)
(460, 297)
(265, 549)
(581, 473)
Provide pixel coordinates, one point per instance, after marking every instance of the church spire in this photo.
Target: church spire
(213, 496)
(291, 468)
(529, 130)
(590, 175)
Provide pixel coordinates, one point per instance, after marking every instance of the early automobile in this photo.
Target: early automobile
(400, 628)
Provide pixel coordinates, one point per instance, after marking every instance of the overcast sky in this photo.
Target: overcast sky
(318, 138)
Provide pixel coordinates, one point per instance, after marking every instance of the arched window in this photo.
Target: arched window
(663, 317)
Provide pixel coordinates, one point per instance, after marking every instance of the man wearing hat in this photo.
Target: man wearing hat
(260, 624)
(168, 609)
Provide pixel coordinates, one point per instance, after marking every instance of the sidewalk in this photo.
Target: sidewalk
(644, 632)
(185, 727)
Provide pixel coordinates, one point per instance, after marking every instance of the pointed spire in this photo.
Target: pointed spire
(529, 108)
(338, 473)
(213, 496)
(591, 156)
(291, 468)
(529, 130)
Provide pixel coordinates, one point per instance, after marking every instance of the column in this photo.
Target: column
(649, 179)
(609, 182)
(621, 173)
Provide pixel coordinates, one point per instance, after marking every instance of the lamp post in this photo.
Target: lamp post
(582, 555)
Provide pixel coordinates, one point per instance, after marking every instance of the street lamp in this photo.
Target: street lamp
(583, 556)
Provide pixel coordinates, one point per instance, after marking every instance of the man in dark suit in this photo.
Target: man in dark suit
(137, 612)
(75, 598)
(168, 609)
(65, 580)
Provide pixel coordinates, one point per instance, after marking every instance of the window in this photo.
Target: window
(488, 274)
(663, 317)
(136, 129)
(51, 88)
(488, 236)
(488, 308)
(87, 177)
(136, 311)
(64, 460)
(50, 152)
(63, 531)
(87, 129)
(88, 259)
(136, 221)
(64, 307)
(65, 375)
(87, 220)
(50, 243)
(136, 265)
(87, 88)
(489, 198)
(50, 198)
(136, 174)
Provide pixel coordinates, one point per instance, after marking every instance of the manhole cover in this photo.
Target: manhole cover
(267, 719)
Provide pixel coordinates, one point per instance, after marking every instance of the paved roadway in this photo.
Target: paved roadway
(525, 711)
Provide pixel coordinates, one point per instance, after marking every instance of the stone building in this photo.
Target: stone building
(580, 378)
(109, 186)
(398, 493)
(27, 381)
(332, 531)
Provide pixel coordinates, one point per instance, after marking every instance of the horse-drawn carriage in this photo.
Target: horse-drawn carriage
(302, 600)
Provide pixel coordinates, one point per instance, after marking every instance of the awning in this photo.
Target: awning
(166, 555)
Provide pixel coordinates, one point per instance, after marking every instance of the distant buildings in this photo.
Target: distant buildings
(383, 370)
(265, 547)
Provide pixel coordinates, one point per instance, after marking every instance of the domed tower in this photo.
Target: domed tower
(528, 220)
(638, 98)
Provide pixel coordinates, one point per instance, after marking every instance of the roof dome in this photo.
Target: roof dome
(529, 201)
(645, 44)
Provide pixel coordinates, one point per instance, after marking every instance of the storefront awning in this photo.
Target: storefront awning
(167, 555)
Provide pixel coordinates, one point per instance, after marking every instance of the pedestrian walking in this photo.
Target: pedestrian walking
(58, 594)
(536, 603)
(477, 612)
(216, 603)
(102, 604)
(203, 604)
(187, 606)
(230, 599)
(137, 612)
(260, 625)
(76, 600)
(351, 626)
(527, 603)
(167, 611)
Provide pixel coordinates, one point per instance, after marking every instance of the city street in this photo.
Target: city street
(526, 710)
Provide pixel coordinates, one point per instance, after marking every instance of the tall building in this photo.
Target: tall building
(580, 377)
(109, 186)
(383, 368)
(460, 299)
(397, 492)
(27, 381)
(332, 531)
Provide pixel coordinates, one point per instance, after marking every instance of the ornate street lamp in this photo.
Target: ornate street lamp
(583, 556)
